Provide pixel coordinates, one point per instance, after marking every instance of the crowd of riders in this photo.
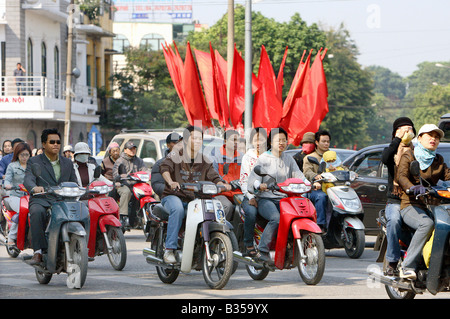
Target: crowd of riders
(185, 162)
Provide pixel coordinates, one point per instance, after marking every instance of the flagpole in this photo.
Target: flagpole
(248, 68)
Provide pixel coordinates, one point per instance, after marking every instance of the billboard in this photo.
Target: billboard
(164, 11)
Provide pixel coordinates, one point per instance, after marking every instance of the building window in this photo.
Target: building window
(120, 43)
(152, 42)
(30, 57)
(43, 59)
(56, 68)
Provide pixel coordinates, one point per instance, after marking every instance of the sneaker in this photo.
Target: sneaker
(169, 257)
(408, 274)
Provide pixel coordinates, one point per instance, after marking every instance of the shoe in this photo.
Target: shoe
(36, 260)
(169, 257)
(391, 271)
(252, 252)
(265, 257)
(408, 274)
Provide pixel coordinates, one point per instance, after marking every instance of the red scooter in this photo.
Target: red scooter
(105, 235)
(298, 242)
(10, 216)
(139, 205)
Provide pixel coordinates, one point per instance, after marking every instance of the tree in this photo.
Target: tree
(148, 97)
(431, 105)
(349, 92)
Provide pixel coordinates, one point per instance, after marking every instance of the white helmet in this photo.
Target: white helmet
(82, 148)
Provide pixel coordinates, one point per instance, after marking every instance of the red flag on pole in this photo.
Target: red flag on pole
(237, 89)
(280, 77)
(267, 108)
(192, 91)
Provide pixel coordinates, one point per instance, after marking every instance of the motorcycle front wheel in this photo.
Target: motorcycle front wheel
(218, 270)
(312, 268)
(77, 270)
(118, 254)
(354, 247)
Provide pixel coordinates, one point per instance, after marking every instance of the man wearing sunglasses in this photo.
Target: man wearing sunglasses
(55, 169)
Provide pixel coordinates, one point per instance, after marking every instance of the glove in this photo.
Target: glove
(417, 190)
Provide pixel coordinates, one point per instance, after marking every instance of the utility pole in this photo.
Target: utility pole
(230, 45)
(248, 69)
(70, 25)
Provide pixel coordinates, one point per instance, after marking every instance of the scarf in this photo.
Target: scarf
(424, 156)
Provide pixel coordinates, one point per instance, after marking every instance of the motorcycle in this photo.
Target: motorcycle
(141, 199)
(66, 234)
(205, 242)
(105, 235)
(345, 226)
(10, 216)
(433, 273)
(298, 242)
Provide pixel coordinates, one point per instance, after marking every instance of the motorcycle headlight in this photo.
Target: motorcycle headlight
(103, 189)
(351, 203)
(70, 191)
(210, 189)
(296, 188)
(329, 177)
(144, 177)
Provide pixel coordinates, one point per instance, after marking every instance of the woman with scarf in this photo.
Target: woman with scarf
(413, 211)
(402, 133)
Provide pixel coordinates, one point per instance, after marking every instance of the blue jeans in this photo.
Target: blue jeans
(393, 231)
(177, 213)
(417, 219)
(249, 222)
(320, 201)
(270, 210)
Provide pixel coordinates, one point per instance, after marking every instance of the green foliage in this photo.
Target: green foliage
(431, 105)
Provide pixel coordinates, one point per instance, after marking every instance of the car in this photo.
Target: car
(372, 181)
(444, 125)
(151, 144)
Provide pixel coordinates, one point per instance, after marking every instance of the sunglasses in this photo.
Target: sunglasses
(54, 142)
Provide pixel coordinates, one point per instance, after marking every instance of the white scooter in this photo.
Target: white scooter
(205, 240)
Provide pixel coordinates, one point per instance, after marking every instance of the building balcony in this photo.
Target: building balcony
(42, 98)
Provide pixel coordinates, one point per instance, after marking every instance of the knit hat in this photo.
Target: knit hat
(402, 121)
(308, 137)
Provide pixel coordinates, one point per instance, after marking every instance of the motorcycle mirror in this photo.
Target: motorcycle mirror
(414, 168)
(313, 160)
(36, 169)
(259, 170)
(122, 169)
(322, 167)
(226, 169)
(97, 172)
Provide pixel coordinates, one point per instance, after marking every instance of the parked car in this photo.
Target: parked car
(151, 144)
(444, 124)
(371, 185)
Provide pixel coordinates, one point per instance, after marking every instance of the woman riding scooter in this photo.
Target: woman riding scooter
(84, 170)
(413, 209)
(279, 167)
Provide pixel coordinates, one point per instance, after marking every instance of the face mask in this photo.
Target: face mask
(308, 148)
(82, 158)
(407, 137)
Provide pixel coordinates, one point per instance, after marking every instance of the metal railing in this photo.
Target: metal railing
(47, 87)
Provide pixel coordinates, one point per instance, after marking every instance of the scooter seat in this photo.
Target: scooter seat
(160, 212)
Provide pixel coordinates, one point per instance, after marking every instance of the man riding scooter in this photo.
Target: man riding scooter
(132, 164)
(55, 170)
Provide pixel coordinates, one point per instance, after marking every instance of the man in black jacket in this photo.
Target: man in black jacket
(55, 170)
(402, 133)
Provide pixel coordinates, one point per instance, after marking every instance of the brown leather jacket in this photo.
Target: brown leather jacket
(437, 170)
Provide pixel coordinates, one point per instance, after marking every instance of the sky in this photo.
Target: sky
(396, 34)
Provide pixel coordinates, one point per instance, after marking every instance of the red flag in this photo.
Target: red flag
(280, 77)
(204, 66)
(220, 87)
(310, 109)
(192, 91)
(267, 108)
(237, 89)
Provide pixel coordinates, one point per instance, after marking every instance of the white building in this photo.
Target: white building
(34, 33)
